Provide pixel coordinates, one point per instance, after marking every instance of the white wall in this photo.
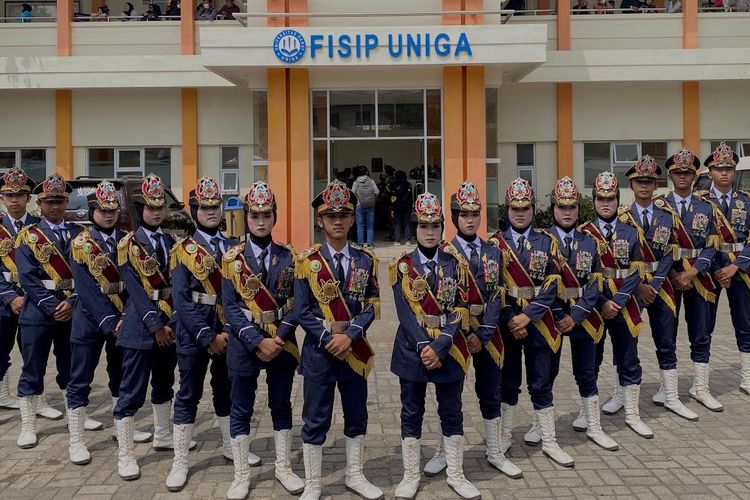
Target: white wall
(637, 111)
(725, 110)
(119, 117)
(126, 38)
(28, 39)
(27, 118)
(723, 30)
(225, 116)
(546, 169)
(527, 113)
(634, 31)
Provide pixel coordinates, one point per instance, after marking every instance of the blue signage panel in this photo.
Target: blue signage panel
(290, 45)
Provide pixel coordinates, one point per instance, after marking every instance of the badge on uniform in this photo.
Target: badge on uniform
(538, 264)
(700, 225)
(584, 260)
(285, 282)
(446, 292)
(738, 218)
(661, 236)
(621, 249)
(491, 272)
(358, 283)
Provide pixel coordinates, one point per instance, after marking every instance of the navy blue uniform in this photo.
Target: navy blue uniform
(412, 337)
(584, 261)
(661, 313)
(487, 278)
(626, 247)
(95, 318)
(39, 330)
(536, 257)
(9, 291)
(197, 326)
(322, 371)
(698, 222)
(142, 318)
(738, 293)
(246, 334)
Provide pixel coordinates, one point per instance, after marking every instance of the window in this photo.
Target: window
(741, 147)
(526, 162)
(260, 135)
(32, 161)
(618, 157)
(230, 169)
(121, 162)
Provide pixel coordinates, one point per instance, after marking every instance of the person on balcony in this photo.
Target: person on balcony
(173, 11)
(129, 13)
(582, 7)
(25, 15)
(229, 9)
(206, 11)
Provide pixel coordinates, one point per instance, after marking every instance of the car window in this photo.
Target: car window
(743, 180)
(703, 183)
(77, 199)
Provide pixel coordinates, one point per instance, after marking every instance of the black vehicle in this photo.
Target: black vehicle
(741, 182)
(177, 222)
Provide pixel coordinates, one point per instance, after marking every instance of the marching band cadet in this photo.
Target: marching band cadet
(96, 314)
(483, 336)
(580, 274)
(429, 345)
(732, 259)
(622, 266)
(257, 297)
(336, 299)
(42, 254)
(200, 335)
(146, 337)
(15, 193)
(656, 225)
(530, 272)
(691, 273)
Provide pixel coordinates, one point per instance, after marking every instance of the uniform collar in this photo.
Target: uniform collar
(150, 233)
(344, 251)
(465, 244)
(423, 259)
(640, 209)
(207, 237)
(563, 234)
(719, 194)
(677, 199)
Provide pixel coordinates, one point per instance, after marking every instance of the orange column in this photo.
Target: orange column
(690, 24)
(64, 19)
(278, 150)
(299, 182)
(189, 141)
(453, 138)
(563, 25)
(691, 120)
(64, 133)
(565, 129)
(476, 136)
(187, 33)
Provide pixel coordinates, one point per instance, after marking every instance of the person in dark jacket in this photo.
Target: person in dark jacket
(401, 199)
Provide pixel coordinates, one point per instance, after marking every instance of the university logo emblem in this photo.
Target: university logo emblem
(289, 46)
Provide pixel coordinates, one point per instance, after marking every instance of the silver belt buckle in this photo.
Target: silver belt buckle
(204, 298)
(523, 292)
(161, 294)
(572, 293)
(476, 309)
(688, 253)
(431, 321)
(8, 276)
(653, 265)
(64, 285)
(611, 272)
(267, 317)
(731, 247)
(111, 288)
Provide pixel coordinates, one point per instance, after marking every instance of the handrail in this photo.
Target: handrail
(243, 16)
(26, 20)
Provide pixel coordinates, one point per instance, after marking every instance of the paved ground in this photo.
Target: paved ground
(709, 458)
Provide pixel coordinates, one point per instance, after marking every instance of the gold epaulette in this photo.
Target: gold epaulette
(301, 266)
(22, 235)
(177, 252)
(701, 193)
(123, 248)
(623, 209)
(78, 247)
(290, 248)
(227, 260)
(394, 268)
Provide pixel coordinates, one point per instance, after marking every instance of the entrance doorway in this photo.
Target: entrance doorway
(383, 130)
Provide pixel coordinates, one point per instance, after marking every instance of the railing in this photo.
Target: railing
(242, 17)
(23, 20)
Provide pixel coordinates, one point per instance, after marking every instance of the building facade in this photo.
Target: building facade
(297, 91)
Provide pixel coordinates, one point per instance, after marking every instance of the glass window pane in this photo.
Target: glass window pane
(260, 125)
(320, 113)
(626, 153)
(129, 158)
(352, 113)
(320, 178)
(435, 168)
(745, 149)
(34, 162)
(230, 182)
(401, 113)
(102, 162)
(7, 159)
(230, 157)
(493, 221)
(525, 155)
(659, 152)
(490, 116)
(527, 174)
(159, 161)
(434, 113)
(260, 171)
(596, 159)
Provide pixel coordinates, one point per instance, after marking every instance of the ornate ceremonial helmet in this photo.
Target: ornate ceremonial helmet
(152, 192)
(645, 168)
(104, 197)
(683, 161)
(260, 198)
(427, 209)
(520, 194)
(722, 157)
(605, 186)
(206, 194)
(565, 193)
(53, 187)
(336, 197)
(15, 181)
(466, 198)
